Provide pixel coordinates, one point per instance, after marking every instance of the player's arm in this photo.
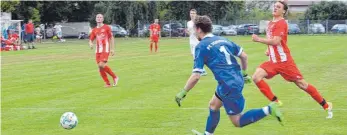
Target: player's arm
(194, 77)
(276, 40)
(187, 29)
(278, 32)
(159, 31)
(112, 43)
(150, 31)
(239, 52)
(91, 39)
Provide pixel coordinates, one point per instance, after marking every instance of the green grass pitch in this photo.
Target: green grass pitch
(38, 86)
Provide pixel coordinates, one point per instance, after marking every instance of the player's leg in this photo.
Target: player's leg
(102, 72)
(27, 37)
(151, 44)
(214, 115)
(291, 73)
(32, 41)
(311, 90)
(107, 69)
(156, 40)
(254, 115)
(266, 70)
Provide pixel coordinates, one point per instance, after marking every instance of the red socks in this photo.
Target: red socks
(104, 76)
(265, 89)
(316, 96)
(109, 71)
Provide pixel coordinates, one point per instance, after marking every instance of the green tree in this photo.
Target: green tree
(9, 6)
(324, 10)
(26, 10)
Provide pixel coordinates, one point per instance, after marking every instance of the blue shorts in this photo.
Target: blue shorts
(233, 103)
(29, 37)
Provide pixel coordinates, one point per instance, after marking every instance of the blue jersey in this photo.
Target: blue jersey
(218, 54)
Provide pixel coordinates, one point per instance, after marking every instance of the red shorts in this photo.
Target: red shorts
(287, 70)
(154, 39)
(101, 57)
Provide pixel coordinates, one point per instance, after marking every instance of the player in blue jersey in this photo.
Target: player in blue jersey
(218, 54)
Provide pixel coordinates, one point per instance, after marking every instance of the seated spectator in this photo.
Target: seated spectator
(38, 35)
(13, 40)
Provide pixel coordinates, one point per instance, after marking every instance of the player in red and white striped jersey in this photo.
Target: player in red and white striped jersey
(281, 61)
(104, 46)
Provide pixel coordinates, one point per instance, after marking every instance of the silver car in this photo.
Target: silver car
(316, 28)
(229, 31)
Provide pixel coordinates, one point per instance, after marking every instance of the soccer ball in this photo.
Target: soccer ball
(68, 120)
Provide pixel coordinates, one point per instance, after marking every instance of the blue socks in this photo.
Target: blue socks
(254, 115)
(212, 120)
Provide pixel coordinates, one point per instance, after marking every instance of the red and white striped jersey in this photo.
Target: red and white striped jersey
(281, 52)
(102, 35)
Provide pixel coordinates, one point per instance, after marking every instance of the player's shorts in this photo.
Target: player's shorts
(154, 39)
(233, 104)
(288, 70)
(59, 34)
(29, 37)
(101, 57)
(192, 49)
(38, 36)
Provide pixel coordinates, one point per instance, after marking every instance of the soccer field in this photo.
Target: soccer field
(38, 86)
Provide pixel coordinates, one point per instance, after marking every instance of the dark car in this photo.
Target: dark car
(339, 28)
(246, 29)
(293, 29)
(173, 30)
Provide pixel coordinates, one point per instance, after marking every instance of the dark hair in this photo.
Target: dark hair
(193, 10)
(285, 6)
(204, 23)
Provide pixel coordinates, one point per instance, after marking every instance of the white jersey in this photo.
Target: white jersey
(192, 38)
(57, 28)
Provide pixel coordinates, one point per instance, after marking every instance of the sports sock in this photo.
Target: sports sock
(156, 46)
(265, 89)
(316, 96)
(109, 71)
(104, 76)
(212, 121)
(254, 115)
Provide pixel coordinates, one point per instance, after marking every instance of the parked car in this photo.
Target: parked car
(173, 30)
(217, 30)
(246, 29)
(293, 28)
(229, 31)
(316, 28)
(69, 32)
(118, 31)
(339, 28)
(144, 31)
(233, 27)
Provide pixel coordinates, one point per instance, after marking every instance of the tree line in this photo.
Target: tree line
(127, 13)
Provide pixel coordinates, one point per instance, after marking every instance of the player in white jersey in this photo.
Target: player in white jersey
(193, 41)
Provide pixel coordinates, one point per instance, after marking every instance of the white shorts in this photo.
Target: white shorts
(192, 49)
(59, 34)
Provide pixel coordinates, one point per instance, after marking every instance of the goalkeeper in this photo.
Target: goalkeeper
(218, 54)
